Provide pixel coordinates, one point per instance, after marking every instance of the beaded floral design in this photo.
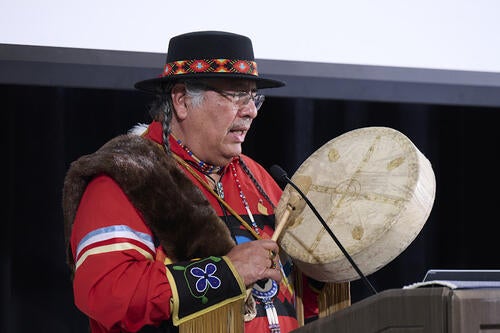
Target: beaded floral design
(206, 278)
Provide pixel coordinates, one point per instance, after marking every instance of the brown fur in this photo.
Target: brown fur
(172, 206)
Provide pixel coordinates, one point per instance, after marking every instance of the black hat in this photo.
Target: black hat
(208, 54)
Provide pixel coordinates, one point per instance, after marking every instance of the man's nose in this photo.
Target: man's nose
(248, 110)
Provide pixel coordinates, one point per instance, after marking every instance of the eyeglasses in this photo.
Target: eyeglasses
(239, 98)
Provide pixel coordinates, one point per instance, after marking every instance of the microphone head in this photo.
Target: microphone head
(279, 175)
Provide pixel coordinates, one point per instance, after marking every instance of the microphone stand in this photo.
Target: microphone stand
(330, 232)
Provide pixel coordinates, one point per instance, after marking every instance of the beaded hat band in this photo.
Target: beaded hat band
(210, 66)
(208, 54)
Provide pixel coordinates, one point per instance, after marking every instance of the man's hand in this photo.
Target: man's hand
(256, 260)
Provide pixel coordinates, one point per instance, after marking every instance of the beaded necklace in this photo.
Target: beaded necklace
(207, 169)
(269, 289)
(244, 199)
(216, 195)
(202, 165)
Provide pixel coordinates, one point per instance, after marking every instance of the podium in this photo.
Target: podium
(430, 309)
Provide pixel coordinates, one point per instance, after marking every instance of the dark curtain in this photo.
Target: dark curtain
(48, 127)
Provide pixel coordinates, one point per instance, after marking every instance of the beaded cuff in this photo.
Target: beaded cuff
(203, 285)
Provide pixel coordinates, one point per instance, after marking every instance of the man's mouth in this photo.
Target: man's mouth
(238, 133)
(240, 129)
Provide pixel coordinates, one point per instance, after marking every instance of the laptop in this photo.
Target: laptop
(459, 279)
(462, 275)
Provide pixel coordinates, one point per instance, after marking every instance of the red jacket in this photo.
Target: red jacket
(120, 279)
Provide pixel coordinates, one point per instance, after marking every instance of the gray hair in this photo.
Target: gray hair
(161, 109)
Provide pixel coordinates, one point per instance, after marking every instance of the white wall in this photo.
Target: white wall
(443, 34)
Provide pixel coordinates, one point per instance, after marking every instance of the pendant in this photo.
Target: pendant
(265, 290)
(219, 189)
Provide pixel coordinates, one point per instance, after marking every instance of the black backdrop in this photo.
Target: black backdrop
(48, 127)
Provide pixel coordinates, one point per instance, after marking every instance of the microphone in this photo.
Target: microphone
(281, 177)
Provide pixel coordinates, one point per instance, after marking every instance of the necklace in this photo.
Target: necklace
(203, 182)
(267, 289)
(202, 165)
(244, 199)
(205, 168)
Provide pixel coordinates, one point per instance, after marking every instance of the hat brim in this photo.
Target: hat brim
(157, 85)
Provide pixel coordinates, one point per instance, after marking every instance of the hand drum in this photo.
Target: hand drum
(375, 191)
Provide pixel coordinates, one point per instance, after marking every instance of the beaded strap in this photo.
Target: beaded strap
(210, 66)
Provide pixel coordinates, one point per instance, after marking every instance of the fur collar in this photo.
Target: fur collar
(177, 212)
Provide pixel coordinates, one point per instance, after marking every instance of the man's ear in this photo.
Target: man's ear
(179, 102)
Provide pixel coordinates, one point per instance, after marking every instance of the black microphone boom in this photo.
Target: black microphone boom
(281, 177)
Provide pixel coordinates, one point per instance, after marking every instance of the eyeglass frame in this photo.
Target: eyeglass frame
(236, 97)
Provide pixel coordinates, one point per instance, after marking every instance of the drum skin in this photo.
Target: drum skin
(375, 191)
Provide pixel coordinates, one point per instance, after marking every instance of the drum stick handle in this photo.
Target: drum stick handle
(281, 224)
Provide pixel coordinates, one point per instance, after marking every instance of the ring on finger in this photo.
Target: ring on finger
(272, 254)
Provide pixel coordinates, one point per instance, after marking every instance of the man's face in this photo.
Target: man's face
(215, 128)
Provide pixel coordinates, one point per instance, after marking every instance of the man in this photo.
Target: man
(171, 226)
